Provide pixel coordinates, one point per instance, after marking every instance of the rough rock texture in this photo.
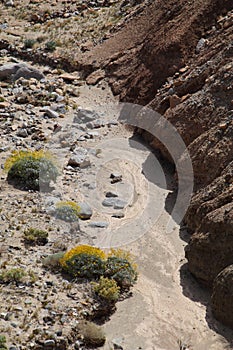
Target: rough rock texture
(222, 297)
(139, 58)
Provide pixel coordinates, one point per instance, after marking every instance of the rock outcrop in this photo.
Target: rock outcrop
(222, 297)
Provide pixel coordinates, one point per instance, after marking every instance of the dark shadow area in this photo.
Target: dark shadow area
(167, 168)
(197, 293)
(185, 233)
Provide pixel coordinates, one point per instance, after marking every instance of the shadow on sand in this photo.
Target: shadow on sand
(197, 293)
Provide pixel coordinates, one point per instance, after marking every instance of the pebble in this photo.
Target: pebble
(49, 343)
(99, 224)
(110, 194)
(50, 113)
(85, 211)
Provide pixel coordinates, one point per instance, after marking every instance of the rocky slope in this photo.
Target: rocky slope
(188, 51)
(179, 63)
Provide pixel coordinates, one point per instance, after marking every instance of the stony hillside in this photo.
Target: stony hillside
(174, 57)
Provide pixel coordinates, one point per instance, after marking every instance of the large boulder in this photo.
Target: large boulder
(222, 296)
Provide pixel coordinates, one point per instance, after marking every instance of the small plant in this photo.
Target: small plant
(67, 211)
(51, 46)
(107, 289)
(92, 334)
(121, 270)
(29, 43)
(31, 170)
(53, 260)
(34, 236)
(3, 342)
(13, 275)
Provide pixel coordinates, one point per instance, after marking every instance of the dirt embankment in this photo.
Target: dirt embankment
(158, 58)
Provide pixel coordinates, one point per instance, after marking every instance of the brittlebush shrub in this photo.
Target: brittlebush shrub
(67, 211)
(107, 289)
(89, 262)
(84, 262)
(31, 170)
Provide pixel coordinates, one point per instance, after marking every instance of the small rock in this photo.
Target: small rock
(22, 133)
(117, 344)
(27, 72)
(119, 204)
(110, 194)
(80, 158)
(200, 45)
(92, 134)
(118, 215)
(49, 343)
(69, 77)
(109, 202)
(85, 116)
(99, 224)
(50, 113)
(85, 211)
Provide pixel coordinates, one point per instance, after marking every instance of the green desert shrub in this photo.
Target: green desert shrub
(3, 342)
(121, 270)
(12, 275)
(85, 266)
(34, 236)
(84, 261)
(31, 170)
(107, 289)
(29, 43)
(67, 211)
(89, 262)
(51, 45)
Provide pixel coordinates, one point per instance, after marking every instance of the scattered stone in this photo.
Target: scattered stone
(28, 73)
(80, 158)
(117, 344)
(85, 211)
(50, 113)
(200, 45)
(85, 116)
(110, 194)
(119, 204)
(49, 343)
(69, 77)
(109, 202)
(99, 224)
(116, 177)
(22, 133)
(118, 215)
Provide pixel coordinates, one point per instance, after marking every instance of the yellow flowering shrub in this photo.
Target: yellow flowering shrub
(82, 249)
(107, 289)
(19, 155)
(89, 262)
(67, 211)
(31, 170)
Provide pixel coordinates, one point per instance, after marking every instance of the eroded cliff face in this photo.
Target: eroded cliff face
(158, 60)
